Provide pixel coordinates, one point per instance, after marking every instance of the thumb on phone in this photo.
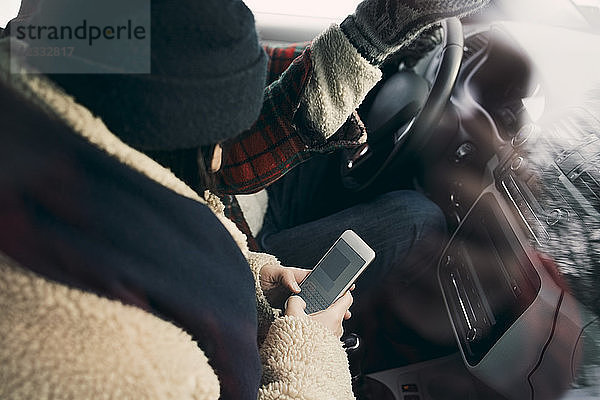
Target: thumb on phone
(294, 306)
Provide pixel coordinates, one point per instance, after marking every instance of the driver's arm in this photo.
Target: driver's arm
(346, 58)
(289, 130)
(311, 107)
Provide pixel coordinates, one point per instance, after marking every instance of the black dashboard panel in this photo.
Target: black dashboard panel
(547, 167)
(487, 278)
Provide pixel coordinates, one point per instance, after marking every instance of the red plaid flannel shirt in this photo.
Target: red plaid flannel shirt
(280, 139)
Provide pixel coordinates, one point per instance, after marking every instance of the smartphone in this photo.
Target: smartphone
(335, 272)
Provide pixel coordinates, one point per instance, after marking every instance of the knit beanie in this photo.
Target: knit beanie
(206, 83)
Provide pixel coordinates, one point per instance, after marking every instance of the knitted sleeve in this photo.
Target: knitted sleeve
(340, 81)
(380, 27)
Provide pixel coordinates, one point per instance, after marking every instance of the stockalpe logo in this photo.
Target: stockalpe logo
(86, 32)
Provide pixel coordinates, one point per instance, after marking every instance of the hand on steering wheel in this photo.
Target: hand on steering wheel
(410, 125)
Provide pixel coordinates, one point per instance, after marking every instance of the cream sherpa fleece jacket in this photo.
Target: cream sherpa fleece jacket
(57, 342)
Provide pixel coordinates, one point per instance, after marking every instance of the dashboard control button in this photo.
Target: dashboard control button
(472, 335)
(554, 217)
(516, 164)
(410, 387)
(464, 152)
(527, 132)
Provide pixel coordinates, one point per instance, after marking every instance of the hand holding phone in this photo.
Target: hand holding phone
(335, 272)
(332, 317)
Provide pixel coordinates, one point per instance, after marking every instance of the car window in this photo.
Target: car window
(332, 9)
(572, 14)
(590, 9)
(8, 10)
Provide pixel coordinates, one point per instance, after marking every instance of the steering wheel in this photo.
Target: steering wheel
(404, 113)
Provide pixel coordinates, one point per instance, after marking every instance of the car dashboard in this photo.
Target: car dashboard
(520, 271)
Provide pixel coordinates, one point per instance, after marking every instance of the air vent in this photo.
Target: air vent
(579, 163)
(588, 183)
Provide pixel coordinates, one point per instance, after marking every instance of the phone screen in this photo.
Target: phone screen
(333, 273)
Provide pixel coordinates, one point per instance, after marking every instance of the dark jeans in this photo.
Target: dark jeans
(309, 209)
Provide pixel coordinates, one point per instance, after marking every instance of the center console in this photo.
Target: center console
(517, 329)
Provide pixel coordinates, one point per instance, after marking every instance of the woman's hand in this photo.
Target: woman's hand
(277, 282)
(332, 317)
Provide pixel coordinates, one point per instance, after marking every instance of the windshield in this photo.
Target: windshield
(581, 14)
(573, 14)
(8, 10)
(590, 9)
(333, 9)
